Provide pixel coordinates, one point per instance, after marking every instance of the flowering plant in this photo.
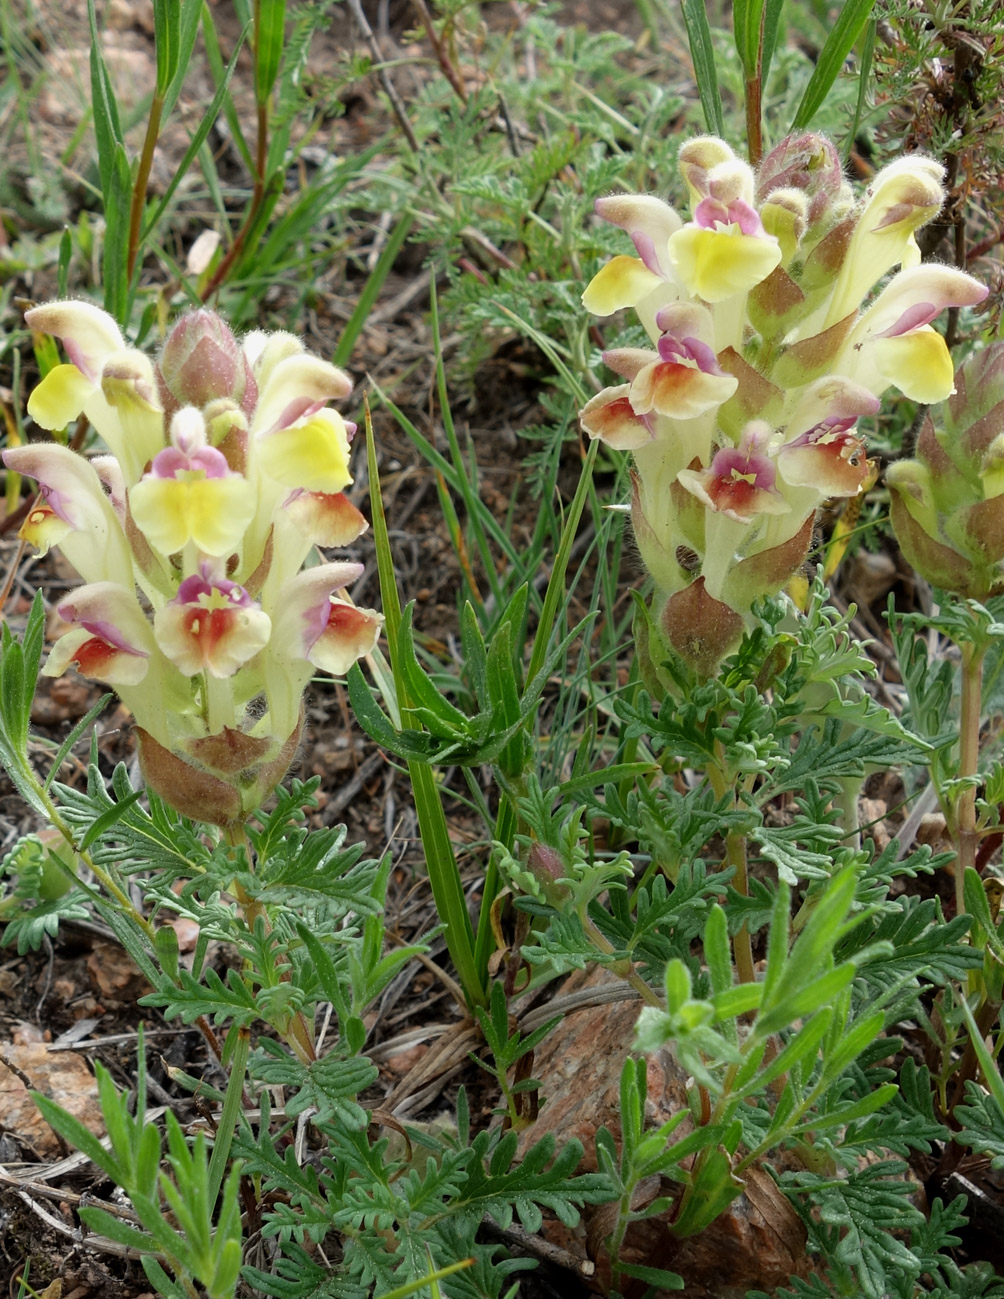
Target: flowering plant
(947, 502)
(767, 352)
(227, 468)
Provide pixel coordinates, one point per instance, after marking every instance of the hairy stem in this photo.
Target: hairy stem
(297, 1031)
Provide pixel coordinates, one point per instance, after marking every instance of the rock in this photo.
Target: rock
(758, 1242)
(62, 1076)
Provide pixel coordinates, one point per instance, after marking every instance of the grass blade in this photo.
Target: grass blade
(354, 325)
(198, 139)
(864, 72)
(270, 34)
(771, 23)
(746, 13)
(107, 125)
(846, 30)
(441, 862)
(216, 68)
(702, 52)
(166, 41)
(187, 32)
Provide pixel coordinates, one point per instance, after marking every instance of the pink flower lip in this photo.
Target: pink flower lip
(921, 313)
(172, 461)
(194, 588)
(299, 408)
(734, 465)
(56, 502)
(78, 357)
(712, 213)
(645, 248)
(100, 628)
(681, 350)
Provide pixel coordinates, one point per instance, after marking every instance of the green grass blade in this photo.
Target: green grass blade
(555, 594)
(198, 139)
(269, 39)
(187, 33)
(771, 23)
(413, 1287)
(115, 259)
(864, 72)
(167, 41)
(744, 14)
(554, 597)
(988, 1066)
(473, 503)
(216, 68)
(355, 323)
(702, 52)
(439, 462)
(444, 874)
(232, 1108)
(107, 124)
(846, 30)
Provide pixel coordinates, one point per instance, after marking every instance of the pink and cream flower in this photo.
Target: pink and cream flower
(212, 625)
(741, 481)
(894, 343)
(684, 379)
(109, 638)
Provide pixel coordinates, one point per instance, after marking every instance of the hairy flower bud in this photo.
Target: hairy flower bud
(202, 362)
(547, 867)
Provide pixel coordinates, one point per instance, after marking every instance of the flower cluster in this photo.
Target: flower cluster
(226, 469)
(947, 504)
(742, 417)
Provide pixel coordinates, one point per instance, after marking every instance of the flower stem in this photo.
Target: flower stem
(142, 180)
(735, 856)
(258, 193)
(296, 1030)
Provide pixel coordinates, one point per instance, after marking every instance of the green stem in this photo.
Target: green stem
(142, 180)
(754, 109)
(967, 836)
(624, 968)
(296, 1031)
(847, 801)
(735, 855)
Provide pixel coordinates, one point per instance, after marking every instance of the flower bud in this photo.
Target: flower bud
(808, 163)
(697, 158)
(202, 361)
(547, 867)
(785, 215)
